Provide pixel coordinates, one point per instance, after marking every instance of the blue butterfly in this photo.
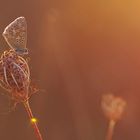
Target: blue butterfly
(15, 35)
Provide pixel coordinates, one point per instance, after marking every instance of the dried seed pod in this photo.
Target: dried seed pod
(113, 107)
(15, 75)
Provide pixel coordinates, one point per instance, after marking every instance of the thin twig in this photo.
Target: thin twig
(34, 124)
(110, 130)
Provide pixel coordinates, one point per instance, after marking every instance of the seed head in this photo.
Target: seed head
(113, 107)
(14, 75)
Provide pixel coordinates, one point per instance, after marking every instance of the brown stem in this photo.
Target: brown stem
(34, 124)
(110, 130)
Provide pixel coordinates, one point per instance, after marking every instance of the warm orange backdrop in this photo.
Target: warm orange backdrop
(79, 50)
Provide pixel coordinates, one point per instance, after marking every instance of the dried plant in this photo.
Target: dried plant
(14, 70)
(113, 108)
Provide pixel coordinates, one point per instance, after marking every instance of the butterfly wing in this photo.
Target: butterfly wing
(15, 35)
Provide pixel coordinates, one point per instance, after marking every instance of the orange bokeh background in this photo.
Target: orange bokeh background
(78, 51)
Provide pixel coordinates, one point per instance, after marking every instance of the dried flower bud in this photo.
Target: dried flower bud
(113, 107)
(14, 75)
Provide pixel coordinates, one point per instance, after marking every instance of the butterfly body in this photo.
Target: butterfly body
(21, 51)
(15, 35)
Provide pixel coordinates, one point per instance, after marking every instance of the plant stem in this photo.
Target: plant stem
(110, 130)
(34, 124)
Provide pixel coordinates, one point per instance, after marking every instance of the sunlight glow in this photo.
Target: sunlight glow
(33, 120)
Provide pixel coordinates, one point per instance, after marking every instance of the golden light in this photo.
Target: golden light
(33, 120)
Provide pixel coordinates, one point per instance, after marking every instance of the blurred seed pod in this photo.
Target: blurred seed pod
(113, 107)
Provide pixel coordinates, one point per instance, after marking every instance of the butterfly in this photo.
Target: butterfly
(15, 35)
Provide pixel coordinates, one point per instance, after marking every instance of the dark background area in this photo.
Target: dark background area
(79, 50)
